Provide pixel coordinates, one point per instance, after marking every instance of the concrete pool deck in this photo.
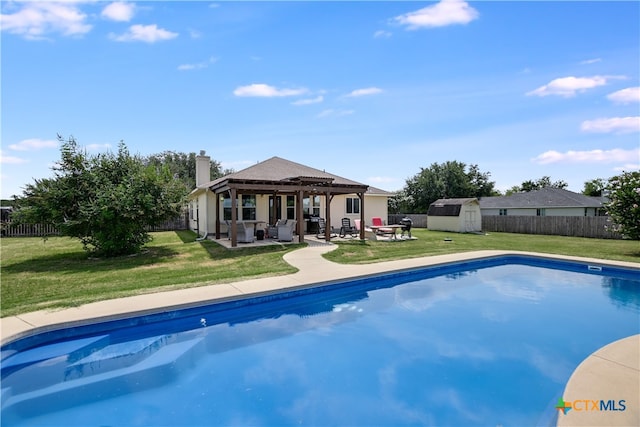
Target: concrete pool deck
(612, 372)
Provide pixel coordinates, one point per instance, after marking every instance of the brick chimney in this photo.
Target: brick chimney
(203, 174)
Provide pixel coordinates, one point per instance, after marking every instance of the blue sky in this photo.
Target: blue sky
(371, 91)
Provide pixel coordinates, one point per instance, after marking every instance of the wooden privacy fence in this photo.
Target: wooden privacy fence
(417, 220)
(39, 230)
(576, 226)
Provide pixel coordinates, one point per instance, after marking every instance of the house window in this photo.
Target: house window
(249, 207)
(353, 205)
(291, 207)
(311, 206)
(503, 212)
(541, 212)
(226, 207)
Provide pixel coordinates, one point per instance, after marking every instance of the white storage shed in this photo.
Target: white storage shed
(459, 215)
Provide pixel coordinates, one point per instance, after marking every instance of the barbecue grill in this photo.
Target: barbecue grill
(406, 225)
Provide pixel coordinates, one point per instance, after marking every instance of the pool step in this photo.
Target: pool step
(73, 350)
(157, 369)
(115, 356)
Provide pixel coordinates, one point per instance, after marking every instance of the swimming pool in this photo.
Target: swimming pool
(488, 342)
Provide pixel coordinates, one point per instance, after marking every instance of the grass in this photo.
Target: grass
(46, 274)
(440, 243)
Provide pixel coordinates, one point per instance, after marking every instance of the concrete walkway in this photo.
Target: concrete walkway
(612, 372)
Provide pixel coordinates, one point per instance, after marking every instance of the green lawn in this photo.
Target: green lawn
(38, 274)
(435, 243)
(44, 274)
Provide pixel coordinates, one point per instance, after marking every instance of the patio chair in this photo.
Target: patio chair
(322, 228)
(245, 232)
(272, 230)
(286, 231)
(347, 228)
(376, 221)
(368, 233)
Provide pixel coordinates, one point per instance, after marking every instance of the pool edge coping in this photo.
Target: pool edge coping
(313, 270)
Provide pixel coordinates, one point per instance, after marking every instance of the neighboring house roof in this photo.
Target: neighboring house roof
(547, 197)
(449, 207)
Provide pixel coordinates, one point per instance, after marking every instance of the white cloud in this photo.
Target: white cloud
(144, 33)
(34, 144)
(569, 86)
(266, 91)
(617, 155)
(382, 34)
(11, 160)
(627, 167)
(309, 101)
(119, 11)
(36, 20)
(625, 96)
(612, 125)
(590, 61)
(446, 12)
(364, 92)
(334, 113)
(197, 66)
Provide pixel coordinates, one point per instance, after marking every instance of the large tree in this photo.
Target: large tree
(594, 187)
(183, 166)
(108, 201)
(451, 179)
(540, 183)
(624, 204)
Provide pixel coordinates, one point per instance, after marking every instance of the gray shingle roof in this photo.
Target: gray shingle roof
(449, 202)
(279, 169)
(544, 198)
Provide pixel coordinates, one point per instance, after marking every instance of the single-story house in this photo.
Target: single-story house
(459, 215)
(547, 201)
(279, 189)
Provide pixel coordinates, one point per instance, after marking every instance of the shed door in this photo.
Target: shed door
(470, 221)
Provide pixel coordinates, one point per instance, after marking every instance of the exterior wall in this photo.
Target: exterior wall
(373, 205)
(564, 212)
(491, 212)
(199, 220)
(444, 223)
(548, 212)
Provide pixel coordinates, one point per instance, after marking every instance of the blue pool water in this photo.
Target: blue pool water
(489, 342)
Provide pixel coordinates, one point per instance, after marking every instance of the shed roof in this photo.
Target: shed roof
(459, 201)
(449, 207)
(547, 197)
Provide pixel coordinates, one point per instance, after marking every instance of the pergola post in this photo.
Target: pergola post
(234, 218)
(327, 215)
(217, 215)
(300, 216)
(361, 196)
